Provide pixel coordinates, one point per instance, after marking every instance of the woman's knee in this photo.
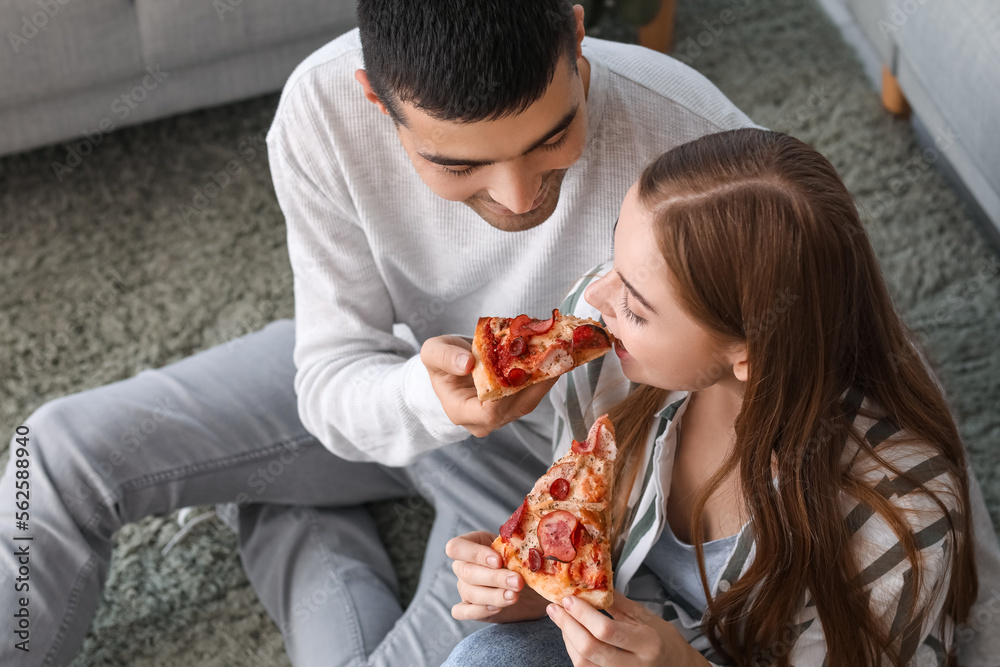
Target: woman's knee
(529, 644)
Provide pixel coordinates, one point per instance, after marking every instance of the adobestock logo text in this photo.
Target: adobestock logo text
(31, 25)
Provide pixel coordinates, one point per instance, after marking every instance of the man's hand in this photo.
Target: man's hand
(489, 592)
(633, 637)
(449, 362)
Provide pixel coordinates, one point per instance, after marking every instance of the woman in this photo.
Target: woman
(797, 489)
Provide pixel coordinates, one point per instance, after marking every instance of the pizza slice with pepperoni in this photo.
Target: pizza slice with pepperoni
(514, 353)
(558, 539)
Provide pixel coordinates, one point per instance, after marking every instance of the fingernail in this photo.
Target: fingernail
(567, 602)
(493, 561)
(463, 361)
(512, 581)
(490, 607)
(508, 595)
(551, 610)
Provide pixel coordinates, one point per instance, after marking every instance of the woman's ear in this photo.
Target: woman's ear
(741, 367)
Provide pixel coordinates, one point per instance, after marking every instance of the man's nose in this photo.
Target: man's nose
(517, 190)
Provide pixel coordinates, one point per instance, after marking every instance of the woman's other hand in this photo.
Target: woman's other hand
(634, 637)
(489, 592)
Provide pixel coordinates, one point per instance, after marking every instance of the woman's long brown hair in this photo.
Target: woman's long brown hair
(766, 247)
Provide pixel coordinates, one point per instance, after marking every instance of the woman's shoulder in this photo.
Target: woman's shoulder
(880, 452)
(885, 462)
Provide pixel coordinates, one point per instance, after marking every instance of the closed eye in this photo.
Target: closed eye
(468, 171)
(556, 144)
(465, 171)
(629, 313)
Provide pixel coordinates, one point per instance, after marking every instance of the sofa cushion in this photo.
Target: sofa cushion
(176, 33)
(58, 47)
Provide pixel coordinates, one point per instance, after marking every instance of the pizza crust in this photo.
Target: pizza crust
(487, 386)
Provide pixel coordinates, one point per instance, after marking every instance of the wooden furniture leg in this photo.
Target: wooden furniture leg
(658, 34)
(893, 98)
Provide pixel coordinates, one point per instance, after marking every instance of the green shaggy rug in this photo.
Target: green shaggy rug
(115, 269)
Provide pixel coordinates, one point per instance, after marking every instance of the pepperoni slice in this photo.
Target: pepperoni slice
(534, 560)
(559, 489)
(522, 324)
(517, 376)
(588, 336)
(517, 324)
(555, 535)
(513, 524)
(516, 346)
(585, 447)
(542, 326)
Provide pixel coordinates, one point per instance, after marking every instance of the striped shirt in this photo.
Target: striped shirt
(587, 392)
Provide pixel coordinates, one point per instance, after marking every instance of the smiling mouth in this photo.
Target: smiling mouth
(545, 203)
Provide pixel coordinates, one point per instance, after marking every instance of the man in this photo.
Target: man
(472, 163)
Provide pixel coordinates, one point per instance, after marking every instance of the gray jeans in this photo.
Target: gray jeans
(525, 644)
(223, 426)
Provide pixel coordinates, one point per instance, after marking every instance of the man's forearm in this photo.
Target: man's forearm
(374, 411)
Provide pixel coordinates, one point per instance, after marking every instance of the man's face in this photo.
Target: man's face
(509, 171)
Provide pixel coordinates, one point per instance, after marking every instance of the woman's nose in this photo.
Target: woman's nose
(597, 295)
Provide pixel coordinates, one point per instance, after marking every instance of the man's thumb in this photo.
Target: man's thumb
(463, 363)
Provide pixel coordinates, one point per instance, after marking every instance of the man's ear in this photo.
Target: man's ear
(578, 12)
(741, 367)
(362, 77)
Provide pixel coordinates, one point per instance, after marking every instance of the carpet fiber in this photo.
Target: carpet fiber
(135, 259)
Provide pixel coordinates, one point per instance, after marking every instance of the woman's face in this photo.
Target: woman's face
(659, 343)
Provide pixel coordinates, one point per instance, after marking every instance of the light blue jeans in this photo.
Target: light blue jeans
(223, 426)
(526, 644)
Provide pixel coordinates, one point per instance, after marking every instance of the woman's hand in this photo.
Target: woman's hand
(449, 362)
(635, 636)
(489, 592)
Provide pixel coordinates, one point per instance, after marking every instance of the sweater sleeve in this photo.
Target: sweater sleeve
(362, 391)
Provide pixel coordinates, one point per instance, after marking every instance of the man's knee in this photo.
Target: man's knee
(68, 444)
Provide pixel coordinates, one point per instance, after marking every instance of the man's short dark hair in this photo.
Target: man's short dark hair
(464, 60)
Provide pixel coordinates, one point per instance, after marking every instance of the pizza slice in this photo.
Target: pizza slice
(512, 354)
(558, 538)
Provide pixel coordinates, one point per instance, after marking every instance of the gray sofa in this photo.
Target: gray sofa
(77, 69)
(944, 55)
